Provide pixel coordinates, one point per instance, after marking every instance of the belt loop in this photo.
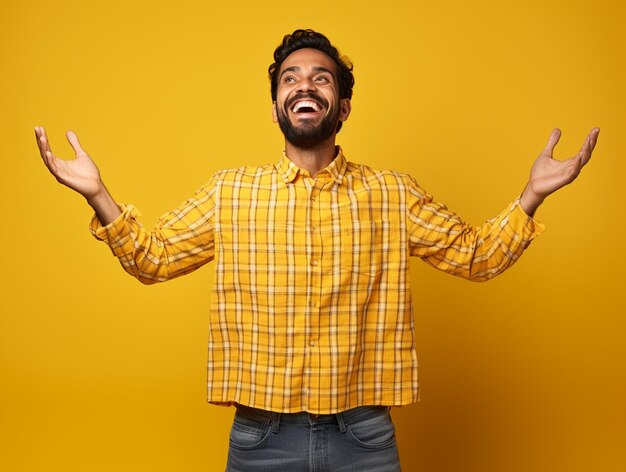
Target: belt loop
(275, 421)
(341, 422)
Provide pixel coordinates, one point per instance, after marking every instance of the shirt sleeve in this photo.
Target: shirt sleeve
(478, 253)
(181, 241)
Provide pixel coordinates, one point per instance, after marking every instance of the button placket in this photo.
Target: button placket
(316, 253)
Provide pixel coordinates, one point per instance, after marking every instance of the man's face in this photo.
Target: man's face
(307, 106)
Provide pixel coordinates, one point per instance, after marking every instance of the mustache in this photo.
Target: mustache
(306, 96)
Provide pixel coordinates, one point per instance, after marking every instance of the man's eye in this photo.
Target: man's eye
(289, 80)
(322, 79)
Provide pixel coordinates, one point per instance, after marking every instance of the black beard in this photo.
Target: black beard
(308, 136)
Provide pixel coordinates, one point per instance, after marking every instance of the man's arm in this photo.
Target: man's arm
(548, 175)
(180, 242)
(79, 174)
(479, 253)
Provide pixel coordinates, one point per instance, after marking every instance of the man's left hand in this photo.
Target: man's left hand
(548, 175)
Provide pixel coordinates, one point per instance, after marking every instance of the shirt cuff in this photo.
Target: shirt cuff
(533, 227)
(118, 228)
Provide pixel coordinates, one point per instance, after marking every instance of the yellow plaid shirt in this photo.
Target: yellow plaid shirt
(311, 304)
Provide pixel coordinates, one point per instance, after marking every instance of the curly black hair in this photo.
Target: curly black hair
(307, 38)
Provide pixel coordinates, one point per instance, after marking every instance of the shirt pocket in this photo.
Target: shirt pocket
(365, 248)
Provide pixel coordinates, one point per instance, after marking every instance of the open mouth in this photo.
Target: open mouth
(306, 106)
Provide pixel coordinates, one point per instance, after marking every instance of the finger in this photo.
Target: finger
(591, 138)
(44, 146)
(553, 140)
(43, 138)
(75, 143)
(594, 137)
(585, 144)
(37, 136)
(49, 160)
(588, 146)
(41, 141)
(42, 132)
(42, 151)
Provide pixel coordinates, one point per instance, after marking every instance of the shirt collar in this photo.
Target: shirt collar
(289, 171)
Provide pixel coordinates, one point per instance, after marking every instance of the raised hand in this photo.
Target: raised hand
(548, 174)
(79, 174)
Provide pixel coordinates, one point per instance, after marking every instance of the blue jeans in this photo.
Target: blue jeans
(358, 440)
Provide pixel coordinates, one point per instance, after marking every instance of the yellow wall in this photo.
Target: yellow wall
(101, 373)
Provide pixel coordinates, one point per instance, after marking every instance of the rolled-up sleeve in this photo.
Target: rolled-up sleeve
(442, 239)
(181, 241)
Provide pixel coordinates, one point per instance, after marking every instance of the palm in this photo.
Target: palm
(548, 175)
(80, 174)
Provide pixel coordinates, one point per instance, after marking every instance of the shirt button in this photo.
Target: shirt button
(313, 263)
(314, 304)
(312, 343)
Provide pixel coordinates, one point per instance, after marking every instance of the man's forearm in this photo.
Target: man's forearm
(530, 201)
(105, 207)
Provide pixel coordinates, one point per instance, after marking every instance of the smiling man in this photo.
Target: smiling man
(311, 327)
(309, 91)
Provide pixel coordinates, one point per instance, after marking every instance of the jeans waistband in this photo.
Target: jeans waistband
(303, 417)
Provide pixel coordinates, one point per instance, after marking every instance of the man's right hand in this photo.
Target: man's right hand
(80, 174)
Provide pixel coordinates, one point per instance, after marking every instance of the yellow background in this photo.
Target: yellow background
(101, 373)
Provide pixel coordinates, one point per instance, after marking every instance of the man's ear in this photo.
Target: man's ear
(274, 112)
(345, 107)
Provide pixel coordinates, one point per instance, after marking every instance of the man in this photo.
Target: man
(311, 331)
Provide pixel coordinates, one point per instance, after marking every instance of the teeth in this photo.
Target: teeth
(307, 104)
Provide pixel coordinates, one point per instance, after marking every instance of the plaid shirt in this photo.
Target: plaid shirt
(311, 304)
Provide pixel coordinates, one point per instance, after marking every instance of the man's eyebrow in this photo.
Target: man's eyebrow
(322, 69)
(290, 69)
(298, 69)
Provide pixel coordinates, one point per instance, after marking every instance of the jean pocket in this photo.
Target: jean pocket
(248, 434)
(375, 432)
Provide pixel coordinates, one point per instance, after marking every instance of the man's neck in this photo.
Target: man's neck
(312, 159)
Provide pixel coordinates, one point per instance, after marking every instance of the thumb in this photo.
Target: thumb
(553, 140)
(73, 139)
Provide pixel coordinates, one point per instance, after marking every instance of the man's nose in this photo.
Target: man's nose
(306, 85)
